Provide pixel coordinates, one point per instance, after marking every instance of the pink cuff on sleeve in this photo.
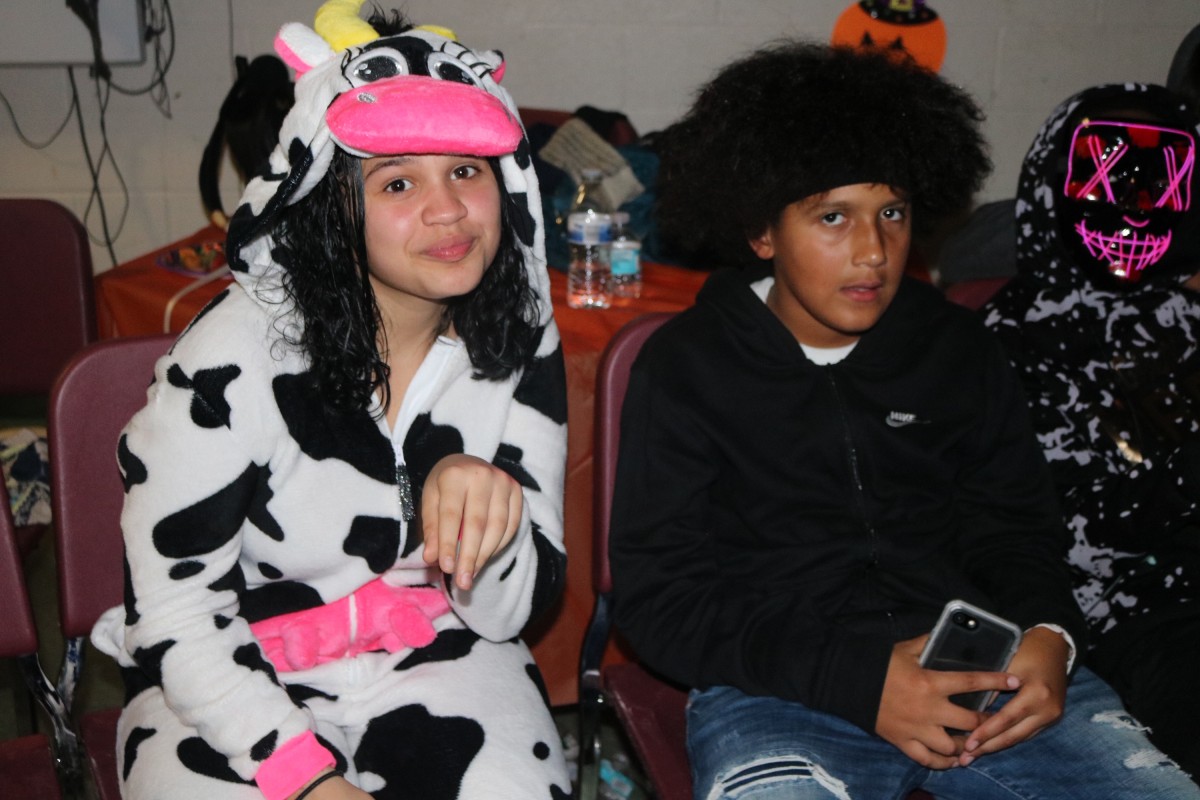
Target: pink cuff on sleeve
(291, 766)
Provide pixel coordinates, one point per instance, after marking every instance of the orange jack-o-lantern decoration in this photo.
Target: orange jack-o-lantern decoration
(902, 25)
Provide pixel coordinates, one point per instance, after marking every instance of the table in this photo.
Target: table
(131, 300)
(131, 297)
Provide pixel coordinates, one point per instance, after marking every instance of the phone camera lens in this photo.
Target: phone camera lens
(959, 618)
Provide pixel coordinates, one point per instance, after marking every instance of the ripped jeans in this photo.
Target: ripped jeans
(761, 748)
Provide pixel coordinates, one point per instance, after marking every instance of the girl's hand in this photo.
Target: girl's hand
(470, 510)
(334, 789)
(1041, 664)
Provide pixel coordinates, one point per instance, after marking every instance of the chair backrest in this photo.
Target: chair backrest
(976, 292)
(612, 378)
(46, 282)
(18, 636)
(95, 396)
(543, 116)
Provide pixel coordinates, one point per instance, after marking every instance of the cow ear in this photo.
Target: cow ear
(301, 48)
(496, 63)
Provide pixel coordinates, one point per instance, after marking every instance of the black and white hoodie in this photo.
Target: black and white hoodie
(1113, 378)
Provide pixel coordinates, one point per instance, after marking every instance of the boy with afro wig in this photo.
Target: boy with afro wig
(823, 452)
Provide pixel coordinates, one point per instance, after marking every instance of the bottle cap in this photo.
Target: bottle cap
(585, 227)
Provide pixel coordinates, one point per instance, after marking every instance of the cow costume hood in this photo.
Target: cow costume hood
(418, 92)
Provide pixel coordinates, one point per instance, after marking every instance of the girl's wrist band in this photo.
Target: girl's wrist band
(308, 789)
(294, 764)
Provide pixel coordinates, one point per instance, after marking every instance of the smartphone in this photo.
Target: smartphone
(969, 639)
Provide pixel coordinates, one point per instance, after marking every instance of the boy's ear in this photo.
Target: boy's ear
(762, 245)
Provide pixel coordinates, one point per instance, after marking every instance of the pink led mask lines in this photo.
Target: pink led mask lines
(1127, 185)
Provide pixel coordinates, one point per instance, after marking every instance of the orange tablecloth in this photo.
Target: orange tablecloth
(131, 300)
(131, 297)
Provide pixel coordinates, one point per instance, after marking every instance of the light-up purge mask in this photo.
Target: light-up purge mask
(1127, 186)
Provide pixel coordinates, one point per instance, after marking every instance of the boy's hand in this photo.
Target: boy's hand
(915, 709)
(470, 510)
(1041, 664)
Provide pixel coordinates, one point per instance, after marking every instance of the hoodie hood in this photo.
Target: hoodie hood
(419, 92)
(1060, 311)
(1044, 256)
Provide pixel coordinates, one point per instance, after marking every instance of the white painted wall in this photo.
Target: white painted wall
(1019, 58)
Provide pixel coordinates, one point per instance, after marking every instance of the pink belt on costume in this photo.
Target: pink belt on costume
(374, 617)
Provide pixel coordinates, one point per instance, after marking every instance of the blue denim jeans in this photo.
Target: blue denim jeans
(763, 748)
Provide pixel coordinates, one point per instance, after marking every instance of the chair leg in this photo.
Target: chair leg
(68, 752)
(591, 698)
(591, 703)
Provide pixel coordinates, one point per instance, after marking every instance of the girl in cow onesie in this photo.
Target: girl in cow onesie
(344, 494)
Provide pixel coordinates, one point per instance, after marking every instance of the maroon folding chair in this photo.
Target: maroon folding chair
(49, 310)
(975, 292)
(95, 396)
(650, 710)
(28, 767)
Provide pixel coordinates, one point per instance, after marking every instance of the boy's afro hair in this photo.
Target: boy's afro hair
(795, 119)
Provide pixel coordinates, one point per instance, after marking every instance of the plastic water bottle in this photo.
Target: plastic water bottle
(589, 237)
(626, 258)
(589, 240)
(617, 781)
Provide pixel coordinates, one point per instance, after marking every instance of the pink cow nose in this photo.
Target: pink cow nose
(416, 114)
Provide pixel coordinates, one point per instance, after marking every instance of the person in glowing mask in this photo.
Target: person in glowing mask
(1103, 324)
(1127, 186)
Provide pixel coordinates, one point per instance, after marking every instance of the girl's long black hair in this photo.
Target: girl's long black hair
(322, 247)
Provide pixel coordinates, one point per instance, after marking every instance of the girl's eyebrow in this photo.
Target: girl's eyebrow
(394, 161)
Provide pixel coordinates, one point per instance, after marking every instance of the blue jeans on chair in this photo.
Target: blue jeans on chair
(763, 748)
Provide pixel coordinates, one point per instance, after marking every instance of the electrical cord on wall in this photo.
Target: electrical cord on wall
(159, 22)
(159, 33)
(25, 140)
(96, 197)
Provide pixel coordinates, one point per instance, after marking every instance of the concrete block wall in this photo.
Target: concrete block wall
(1019, 58)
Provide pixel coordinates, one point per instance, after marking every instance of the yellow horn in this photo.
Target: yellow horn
(338, 23)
